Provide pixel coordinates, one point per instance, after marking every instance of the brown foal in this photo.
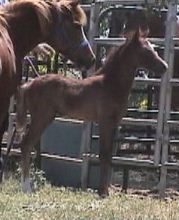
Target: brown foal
(102, 98)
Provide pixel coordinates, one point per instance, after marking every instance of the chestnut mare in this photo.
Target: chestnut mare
(26, 23)
(102, 98)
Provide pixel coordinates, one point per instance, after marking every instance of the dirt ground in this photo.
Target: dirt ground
(146, 182)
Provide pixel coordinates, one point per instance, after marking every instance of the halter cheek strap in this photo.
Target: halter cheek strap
(61, 31)
(72, 45)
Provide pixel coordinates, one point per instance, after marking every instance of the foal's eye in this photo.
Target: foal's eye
(147, 52)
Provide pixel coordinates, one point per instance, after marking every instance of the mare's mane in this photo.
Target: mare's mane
(43, 10)
(17, 7)
(77, 12)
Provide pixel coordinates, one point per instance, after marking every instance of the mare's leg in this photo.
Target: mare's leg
(3, 126)
(107, 132)
(39, 122)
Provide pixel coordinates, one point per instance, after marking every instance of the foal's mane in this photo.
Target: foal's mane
(115, 57)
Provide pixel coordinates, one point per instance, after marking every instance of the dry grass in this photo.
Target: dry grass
(64, 203)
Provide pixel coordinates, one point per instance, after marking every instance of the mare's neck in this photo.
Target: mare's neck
(24, 30)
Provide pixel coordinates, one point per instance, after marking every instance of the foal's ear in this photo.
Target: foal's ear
(136, 37)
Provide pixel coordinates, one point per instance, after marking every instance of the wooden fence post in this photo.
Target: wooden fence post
(169, 57)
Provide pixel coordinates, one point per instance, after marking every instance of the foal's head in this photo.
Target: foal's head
(67, 34)
(145, 56)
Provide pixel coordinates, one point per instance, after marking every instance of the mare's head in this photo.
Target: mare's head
(67, 35)
(145, 56)
(58, 23)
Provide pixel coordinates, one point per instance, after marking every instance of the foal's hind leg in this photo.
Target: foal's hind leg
(107, 131)
(37, 126)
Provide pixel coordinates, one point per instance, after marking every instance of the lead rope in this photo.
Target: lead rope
(32, 65)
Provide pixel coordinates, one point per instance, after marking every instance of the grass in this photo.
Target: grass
(64, 203)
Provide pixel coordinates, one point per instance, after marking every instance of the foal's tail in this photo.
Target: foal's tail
(21, 110)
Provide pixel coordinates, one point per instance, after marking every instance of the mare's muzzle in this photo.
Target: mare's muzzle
(84, 56)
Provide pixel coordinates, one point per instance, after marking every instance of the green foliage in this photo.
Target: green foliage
(36, 175)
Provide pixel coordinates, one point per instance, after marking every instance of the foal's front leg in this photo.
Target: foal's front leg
(107, 131)
(38, 124)
(25, 164)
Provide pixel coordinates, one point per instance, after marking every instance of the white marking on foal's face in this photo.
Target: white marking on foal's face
(26, 185)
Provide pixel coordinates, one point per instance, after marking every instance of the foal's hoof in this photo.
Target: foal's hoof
(26, 186)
